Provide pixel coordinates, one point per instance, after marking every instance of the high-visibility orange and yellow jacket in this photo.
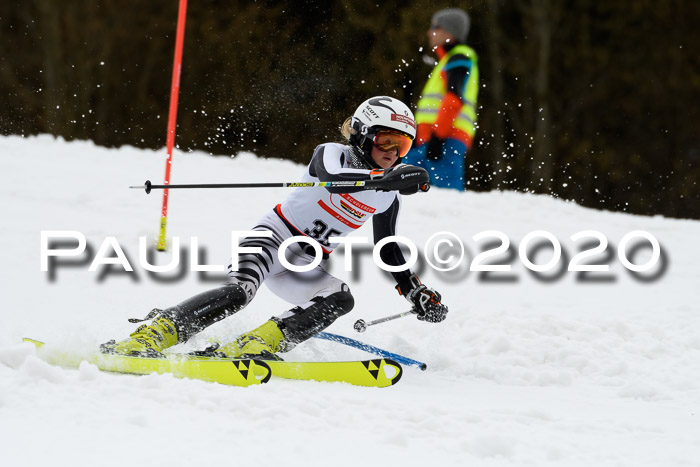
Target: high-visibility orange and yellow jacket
(447, 107)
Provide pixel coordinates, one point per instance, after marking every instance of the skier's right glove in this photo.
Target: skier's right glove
(404, 178)
(426, 302)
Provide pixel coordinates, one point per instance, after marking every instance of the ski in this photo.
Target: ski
(231, 372)
(382, 372)
(245, 372)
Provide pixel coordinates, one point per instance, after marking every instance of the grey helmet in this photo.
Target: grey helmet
(453, 20)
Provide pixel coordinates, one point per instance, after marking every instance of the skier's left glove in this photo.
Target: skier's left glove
(426, 302)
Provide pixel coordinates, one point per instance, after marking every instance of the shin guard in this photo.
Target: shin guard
(205, 309)
(304, 323)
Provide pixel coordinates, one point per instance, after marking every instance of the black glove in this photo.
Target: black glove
(425, 301)
(435, 148)
(404, 178)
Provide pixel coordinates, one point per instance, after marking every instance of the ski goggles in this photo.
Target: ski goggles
(386, 140)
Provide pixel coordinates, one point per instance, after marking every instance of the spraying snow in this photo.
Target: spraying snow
(557, 367)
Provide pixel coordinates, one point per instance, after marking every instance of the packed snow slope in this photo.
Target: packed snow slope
(551, 368)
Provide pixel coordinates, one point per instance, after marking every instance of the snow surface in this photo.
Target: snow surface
(523, 372)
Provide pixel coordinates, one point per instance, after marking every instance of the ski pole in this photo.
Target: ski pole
(365, 184)
(361, 325)
(371, 349)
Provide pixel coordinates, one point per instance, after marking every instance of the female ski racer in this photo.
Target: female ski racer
(379, 133)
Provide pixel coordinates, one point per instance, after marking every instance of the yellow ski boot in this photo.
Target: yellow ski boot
(146, 341)
(262, 342)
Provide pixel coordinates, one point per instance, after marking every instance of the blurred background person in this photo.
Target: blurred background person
(446, 113)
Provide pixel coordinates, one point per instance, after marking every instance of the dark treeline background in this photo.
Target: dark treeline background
(592, 101)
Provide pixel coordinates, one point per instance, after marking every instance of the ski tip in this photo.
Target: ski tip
(397, 368)
(33, 341)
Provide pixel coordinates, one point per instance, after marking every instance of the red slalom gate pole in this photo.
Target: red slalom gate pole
(172, 117)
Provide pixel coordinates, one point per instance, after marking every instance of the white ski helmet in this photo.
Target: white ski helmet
(376, 114)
